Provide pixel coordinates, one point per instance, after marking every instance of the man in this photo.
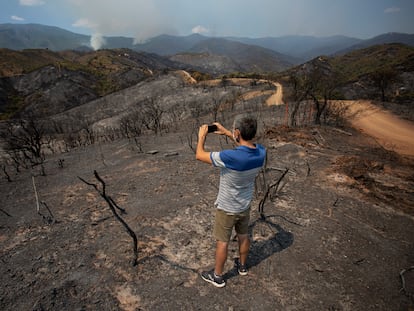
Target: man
(239, 168)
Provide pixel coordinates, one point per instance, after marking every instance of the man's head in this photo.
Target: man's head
(247, 125)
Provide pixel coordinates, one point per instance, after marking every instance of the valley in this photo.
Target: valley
(332, 217)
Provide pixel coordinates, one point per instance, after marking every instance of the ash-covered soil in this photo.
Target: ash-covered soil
(337, 234)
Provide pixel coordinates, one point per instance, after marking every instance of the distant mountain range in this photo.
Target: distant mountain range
(35, 36)
(287, 49)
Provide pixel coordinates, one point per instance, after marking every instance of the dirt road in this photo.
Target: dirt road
(277, 97)
(389, 130)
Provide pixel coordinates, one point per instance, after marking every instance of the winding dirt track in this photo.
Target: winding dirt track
(389, 130)
(277, 97)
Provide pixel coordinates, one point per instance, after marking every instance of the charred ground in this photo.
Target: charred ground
(337, 233)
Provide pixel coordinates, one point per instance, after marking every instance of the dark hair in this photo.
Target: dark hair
(247, 125)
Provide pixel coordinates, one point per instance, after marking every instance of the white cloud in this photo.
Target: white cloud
(31, 2)
(84, 23)
(199, 29)
(392, 10)
(17, 18)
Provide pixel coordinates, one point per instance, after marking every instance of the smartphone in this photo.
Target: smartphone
(212, 128)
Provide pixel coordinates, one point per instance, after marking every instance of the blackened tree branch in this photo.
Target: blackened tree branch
(116, 205)
(113, 207)
(403, 288)
(266, 195)
(6, 174)
(7, 214)
(50, 218)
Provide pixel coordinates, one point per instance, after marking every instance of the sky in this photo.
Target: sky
(143, 19)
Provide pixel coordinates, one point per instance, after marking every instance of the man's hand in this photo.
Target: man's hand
(201, 154)
(202, 132)
(221, 130)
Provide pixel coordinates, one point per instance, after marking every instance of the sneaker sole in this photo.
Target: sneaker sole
(212, 282)
(237, 266)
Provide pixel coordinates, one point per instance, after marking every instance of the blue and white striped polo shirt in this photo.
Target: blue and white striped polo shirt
(239, 168)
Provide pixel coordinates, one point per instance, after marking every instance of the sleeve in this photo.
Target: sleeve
(216, 159)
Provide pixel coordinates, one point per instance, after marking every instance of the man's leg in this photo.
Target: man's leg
(244, 245)
(221, 257)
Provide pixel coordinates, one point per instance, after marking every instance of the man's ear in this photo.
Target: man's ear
(237, 135)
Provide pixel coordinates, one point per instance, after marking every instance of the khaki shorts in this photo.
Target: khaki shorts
(224, 223)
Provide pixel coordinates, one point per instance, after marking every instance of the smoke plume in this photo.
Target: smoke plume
(97, 41)
(140, 19)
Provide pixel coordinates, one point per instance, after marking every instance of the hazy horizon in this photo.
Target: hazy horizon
(143, 19)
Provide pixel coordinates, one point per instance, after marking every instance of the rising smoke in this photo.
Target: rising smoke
(140, 19)
(97, 41)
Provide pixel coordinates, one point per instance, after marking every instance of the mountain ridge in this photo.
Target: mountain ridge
(303, 48)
